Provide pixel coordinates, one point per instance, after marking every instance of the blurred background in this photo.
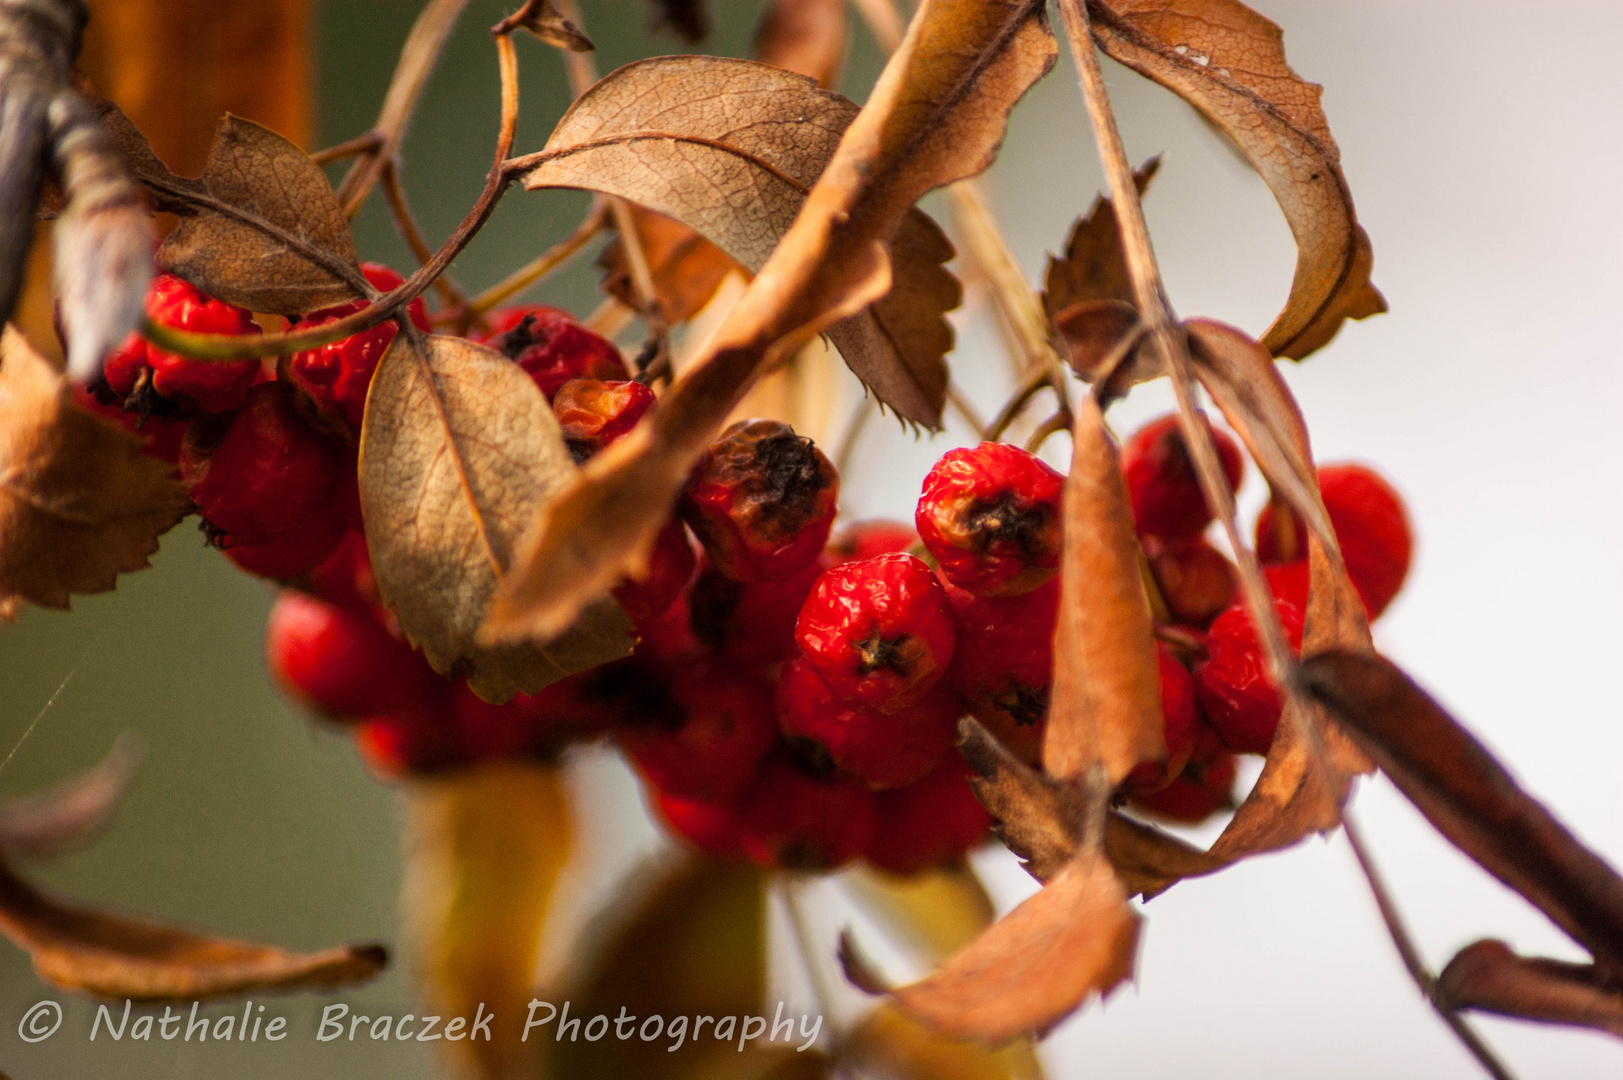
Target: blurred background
(1482, 144)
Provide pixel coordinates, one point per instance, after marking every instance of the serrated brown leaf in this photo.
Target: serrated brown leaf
(458, 448)
(730, 148)
(79, 503)
(270, 235)
(687, 269)
(72, 811)
(1471, 799)
(1036, 816)
(804, 36)
(936, 115)
(167, 191)
(1489, 977)
(1105, 705)
(1229, 62)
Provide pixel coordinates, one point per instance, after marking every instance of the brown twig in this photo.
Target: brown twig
(966, 410)
(1060, 421)
(1412, 960)
(1034, 382)
(400, 210)
(361, 144)
(536, 269)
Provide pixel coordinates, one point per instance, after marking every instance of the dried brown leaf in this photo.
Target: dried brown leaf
(1039, 818)
(79, 502)
(1462, 790)
(544, 20)
(458, 448)
(804, 36)
(1092, 329)
(270, 235)
(1488, 976)
(73, 811)
(167, 191)
(936, 115)
(1106, 699)
(115, 956)
(1229, 62)
(687, 269)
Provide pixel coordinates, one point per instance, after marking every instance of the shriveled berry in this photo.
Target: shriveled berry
(593, 413)
(761, 501)
(796, 821)
(1236, 693)
(1195, 579)
(865, 539)
(1004, 663)
(309, 543)
(710, 741)
(340, 662)
(1205, 787)
(257, 475)
(880, 632)
(991, 516)
(750, 622)
(883, 750)
(160, 438)
(552, 347)
(1181, 722)
(333, 379)
(137, 371)
(670, 568)
(929, 823)
(1371, 525)
(714, 828)
(1161, 480)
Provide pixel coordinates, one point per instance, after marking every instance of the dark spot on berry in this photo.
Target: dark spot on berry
(1027, 705)
(522, 337)
(1008, 518)
(898, 654)
(812, 757)
(780, 477)
(144, 401)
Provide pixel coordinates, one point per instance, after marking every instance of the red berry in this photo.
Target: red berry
(883, 751)
(297, 551)
(340, 662)
(708, 742)
(1289, 582)
(714, 828)
(1371, 526)
(865, 539)
(991, 517)
(880, 632)
(1004, 663)
(257, 475)
(796, 821)
(160, 438)
(552, 347)
(670, 568)
(537, 725)
(1233, 684)
(335, 377)
(761, 501)
(137, 368)
(1196, 581)
(420, 742)
(753, 622)
(1205, 787)
(928, 823)
(345, 577)
(1181, 722)
(1161, 482)
(666, 645)
(593, 413)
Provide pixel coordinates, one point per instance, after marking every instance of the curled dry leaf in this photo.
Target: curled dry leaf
(1229, 62)
(730, 148)
(73, 811)
(458, 448)
(1039, 818)
(936, 115)
(266, 233)
(1462, 790)
(79, 502)
(804, 36)
(1106, 699)
(544, 20)
(1489, 977)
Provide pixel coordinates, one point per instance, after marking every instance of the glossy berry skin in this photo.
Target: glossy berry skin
(593, 413)
(761, 501)
(160, 438)
(795, 821)
(334, 378)
(1371, 525)
(865, 539)
(188, 387)
(711, 743)
(340, 662)
(552, 347)
(1205, 787)
(257, 475)
(990, 515)
(1181, 723)
(1161, 480)
(750, 622)
(1004, 663)
(714, 828)
(929, 823)
(1196, 581)
(1233, 685)
(1289, 582)
(880, 632)
(670, 568)
(883, 751)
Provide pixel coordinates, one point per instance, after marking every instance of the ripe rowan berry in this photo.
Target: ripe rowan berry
(865, 539)
(929, 823)
(670, 568)
(1181, 722)
(883, 751)
(1371, 526)
(1196, 581)
(1289, 582)
(880, 632)
(795, 821)
(333, 379)
(761, 501)
(1233, 685)
(1205, 786)
(1004, 663)
(991, 516)
(294, 553)
(594, 413)
(714, 828)
(417, 742)
(709, 740)
(1161, 481)
(552, 347)
(341, 663)
(750, 622)
(345, 577)
(160, 438)
(137, 371)
(579, 707)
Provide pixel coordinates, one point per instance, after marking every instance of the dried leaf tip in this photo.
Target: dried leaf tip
(546, 22)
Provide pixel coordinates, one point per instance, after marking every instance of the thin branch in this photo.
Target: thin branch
(1060, 421)
(853, 431)
(1412, 960)
(1034, 382)
(407, 224)
(361, 144)
(533, 271)
(966, 410)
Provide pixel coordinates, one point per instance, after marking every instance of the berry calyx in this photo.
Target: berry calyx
(880, 632)
(929, 823)
(761, 501)
(150, 381)
(1161, 481)
(991, 516)
(340, 662)
(552, 347)
(796, 821)
(593, 413)
(160, 438)
(709, 740)
(1233, 684)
